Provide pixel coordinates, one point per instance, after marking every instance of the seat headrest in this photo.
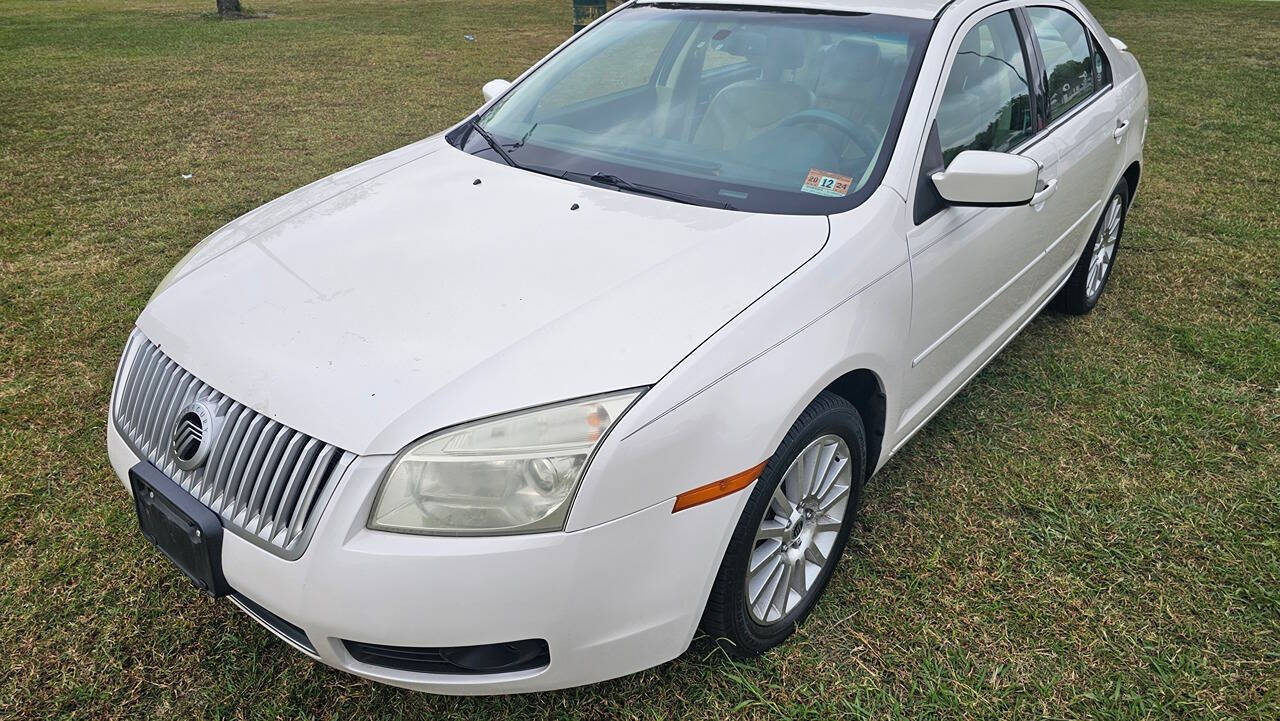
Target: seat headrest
(849, 70)
(853, 54)
(761, 103)
(775, 51)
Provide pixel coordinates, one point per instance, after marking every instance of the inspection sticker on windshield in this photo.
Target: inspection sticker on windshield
(821, 182)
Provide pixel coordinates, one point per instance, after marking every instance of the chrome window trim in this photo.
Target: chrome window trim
(983, 13)
(1096, 45)
(1044, 133)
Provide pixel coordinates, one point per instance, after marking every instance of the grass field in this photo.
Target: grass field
(1091, 529)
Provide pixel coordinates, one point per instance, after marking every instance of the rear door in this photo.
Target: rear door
(1083, 117)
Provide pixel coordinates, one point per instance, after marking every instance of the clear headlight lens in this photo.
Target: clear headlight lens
(514, 474)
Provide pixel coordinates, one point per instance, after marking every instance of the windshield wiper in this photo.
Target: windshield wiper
(524, 138)
(597, 177)
(628, 186)
(497, 147)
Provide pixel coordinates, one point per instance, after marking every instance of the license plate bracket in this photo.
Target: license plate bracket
(183, 528)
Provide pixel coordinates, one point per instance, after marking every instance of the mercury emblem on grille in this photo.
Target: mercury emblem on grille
(193, 434)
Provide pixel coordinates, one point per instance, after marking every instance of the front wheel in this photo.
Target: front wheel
(792, 532)
(1084, 287)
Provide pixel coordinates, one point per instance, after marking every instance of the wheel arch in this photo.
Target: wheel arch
(865, 391)
(1131, 176)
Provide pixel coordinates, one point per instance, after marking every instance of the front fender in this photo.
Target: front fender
(726, 407)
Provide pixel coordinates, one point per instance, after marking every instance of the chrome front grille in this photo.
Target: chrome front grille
(267, 481)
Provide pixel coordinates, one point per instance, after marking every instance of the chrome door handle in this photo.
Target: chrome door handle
(1044, 193)
(1122, 127)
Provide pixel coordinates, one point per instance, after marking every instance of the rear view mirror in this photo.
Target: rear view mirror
(494, 88)
(984, 178)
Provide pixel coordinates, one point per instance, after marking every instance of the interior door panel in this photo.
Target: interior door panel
(599, 114)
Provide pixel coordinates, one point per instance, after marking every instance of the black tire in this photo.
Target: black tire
(1074, 298)
(726, 617)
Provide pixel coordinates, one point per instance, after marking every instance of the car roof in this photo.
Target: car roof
(908, 8)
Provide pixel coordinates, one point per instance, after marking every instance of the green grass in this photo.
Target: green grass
(1091, 529)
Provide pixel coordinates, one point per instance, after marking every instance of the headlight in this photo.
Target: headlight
(514, 474)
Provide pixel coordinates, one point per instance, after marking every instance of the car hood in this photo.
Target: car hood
(428, 287)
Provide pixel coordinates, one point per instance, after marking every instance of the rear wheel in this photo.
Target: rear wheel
(792, 532)
(1087, 281)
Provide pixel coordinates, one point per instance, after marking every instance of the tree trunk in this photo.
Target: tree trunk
(228, 7)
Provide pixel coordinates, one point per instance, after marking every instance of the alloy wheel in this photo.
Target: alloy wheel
(1104, 250)
(794, 541)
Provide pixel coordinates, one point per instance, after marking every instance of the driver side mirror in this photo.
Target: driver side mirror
(494, 88)
(986, 179)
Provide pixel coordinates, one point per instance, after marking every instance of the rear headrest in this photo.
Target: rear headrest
(773, 51)
(853, 54)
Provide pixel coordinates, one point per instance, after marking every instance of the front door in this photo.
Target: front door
(973, 269)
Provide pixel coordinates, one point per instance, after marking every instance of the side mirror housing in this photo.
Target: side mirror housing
(494, 88)
(985, 179)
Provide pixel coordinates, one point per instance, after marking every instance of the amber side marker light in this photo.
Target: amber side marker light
(717, 489)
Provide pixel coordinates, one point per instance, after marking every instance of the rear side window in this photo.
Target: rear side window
(1101, 66)
(986, 104)
(1075, 68)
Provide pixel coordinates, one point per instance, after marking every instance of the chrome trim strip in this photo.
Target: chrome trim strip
(261, 622)
(1063, 119)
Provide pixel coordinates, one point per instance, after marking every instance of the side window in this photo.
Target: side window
(1101, 66)
(587, 82)
(716, 57)
(986, 104)
(1069, 58)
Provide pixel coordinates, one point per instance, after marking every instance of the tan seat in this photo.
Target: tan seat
(745, 109)
(850, 80)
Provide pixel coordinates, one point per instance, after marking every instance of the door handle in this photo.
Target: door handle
(1044, 193)
(1122, 127)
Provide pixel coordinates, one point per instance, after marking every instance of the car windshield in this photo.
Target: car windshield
(759, 110)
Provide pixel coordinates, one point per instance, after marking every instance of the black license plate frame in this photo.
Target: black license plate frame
(186, 531)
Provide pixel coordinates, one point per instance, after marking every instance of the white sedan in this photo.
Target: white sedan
(524, 405)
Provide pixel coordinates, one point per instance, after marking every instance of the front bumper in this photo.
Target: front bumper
(609, 600)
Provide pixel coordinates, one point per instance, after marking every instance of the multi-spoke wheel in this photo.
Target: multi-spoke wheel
(792, 531)
(794, 541)
(1084, 287)
(1104, 248)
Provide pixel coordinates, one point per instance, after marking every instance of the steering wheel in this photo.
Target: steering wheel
(860, 136)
